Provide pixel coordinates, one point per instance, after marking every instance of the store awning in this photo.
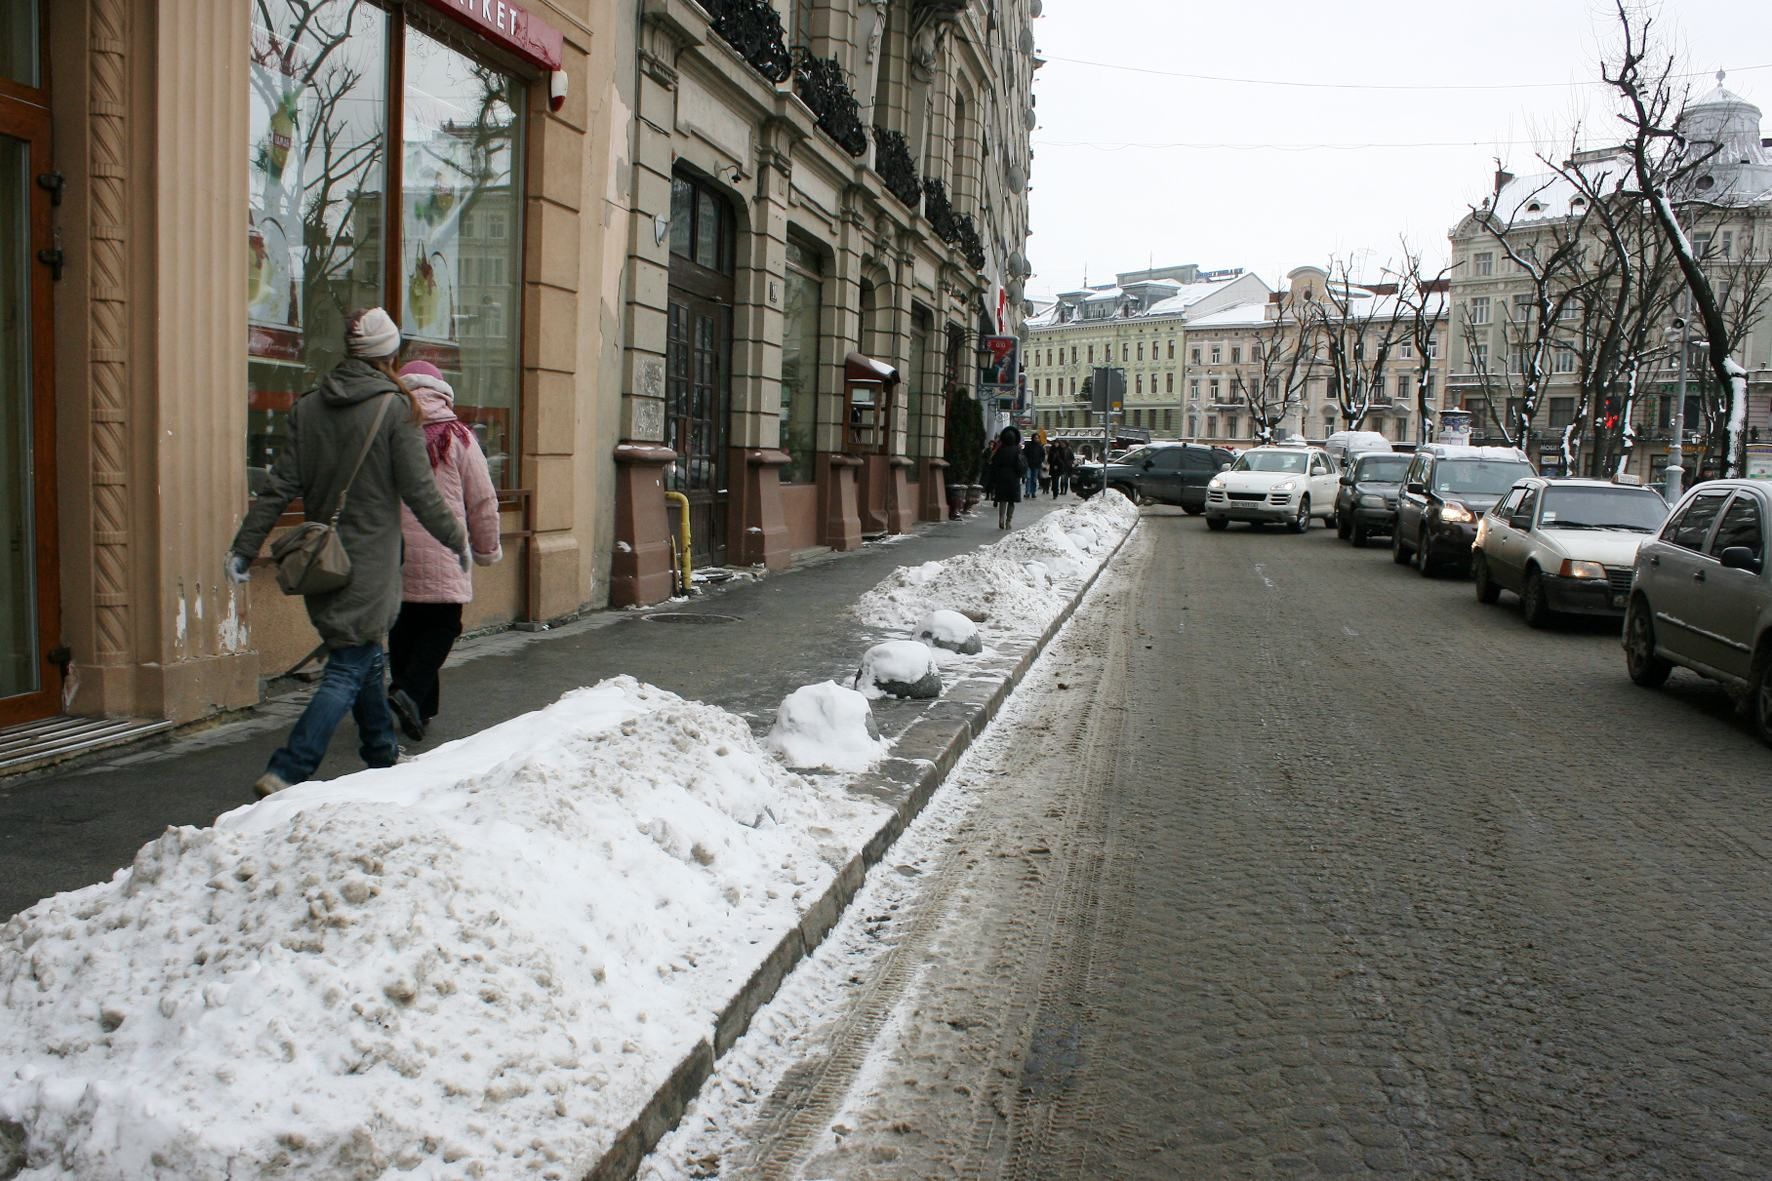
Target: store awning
(510, 26)
(861, 369)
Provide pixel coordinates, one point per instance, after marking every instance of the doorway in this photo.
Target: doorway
(698, 361)
(30, 617)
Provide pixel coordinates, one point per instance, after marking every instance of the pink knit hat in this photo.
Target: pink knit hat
(421, 369)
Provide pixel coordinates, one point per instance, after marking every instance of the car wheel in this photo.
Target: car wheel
(1217, 524)
(1645, 668)
(1127, 491)
(1343, 528)
(1192, 512)
(1534, 607)
(1399, 555)
(1487, 590)
(1357, 535)
(1424, 559)
(1302, 521)
(1761, 702)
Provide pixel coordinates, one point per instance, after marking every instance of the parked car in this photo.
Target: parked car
(1702, 596)
(1277, 484)
(1564, 546)
(1445, 490)
(1162, 473)
(1366, 502)
(1342, 446)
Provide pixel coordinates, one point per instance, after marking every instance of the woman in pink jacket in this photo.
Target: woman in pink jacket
(435, 582)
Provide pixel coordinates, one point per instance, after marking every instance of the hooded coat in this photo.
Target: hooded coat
(1007, 468)
(433, 574)
(327, 427)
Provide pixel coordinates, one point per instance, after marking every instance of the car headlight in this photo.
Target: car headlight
(1454, 513)
(1371, 501)
(1571, 569)
(1284, 486)
(1215, 482)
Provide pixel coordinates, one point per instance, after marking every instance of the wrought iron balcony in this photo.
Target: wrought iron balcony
(892, 160)
(970, 244)
(940, 211)
(753, 28)
(820, 81)
(939, 9)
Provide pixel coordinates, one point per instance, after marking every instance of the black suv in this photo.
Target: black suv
(1445, 490)
(1366, 502)
(1163, 473)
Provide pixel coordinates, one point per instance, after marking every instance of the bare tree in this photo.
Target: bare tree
(1359, 331)
(1666, 166)
(1283, 357)
(1493, 383)
(1424, 299)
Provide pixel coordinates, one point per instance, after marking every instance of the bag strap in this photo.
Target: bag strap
(368, 442)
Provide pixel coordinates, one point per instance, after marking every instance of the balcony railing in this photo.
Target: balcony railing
(970, 244)
(753, 28)
(821, 83)
(940, 211)
(897, 168)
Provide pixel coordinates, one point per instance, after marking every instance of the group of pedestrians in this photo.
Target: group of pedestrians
(378, 453)
(1016, 468)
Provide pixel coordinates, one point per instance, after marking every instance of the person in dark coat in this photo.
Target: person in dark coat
(1058, 457)
(1035, 455)
(1007, 472)
(327, 429)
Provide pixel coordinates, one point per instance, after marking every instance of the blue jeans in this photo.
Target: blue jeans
(352, 681)
(1031, 487)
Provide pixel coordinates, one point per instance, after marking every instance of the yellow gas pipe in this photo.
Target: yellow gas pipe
(685, 565)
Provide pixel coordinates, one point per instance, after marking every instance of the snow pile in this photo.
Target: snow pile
(1021, 582)
(951, 631)
(898, 668)
(829, 727)
(478, 963)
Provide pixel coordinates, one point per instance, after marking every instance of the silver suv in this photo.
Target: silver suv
(1702, 596)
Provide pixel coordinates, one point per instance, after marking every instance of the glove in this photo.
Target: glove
(239, 568)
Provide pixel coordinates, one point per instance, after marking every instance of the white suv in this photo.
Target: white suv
(1282, 484)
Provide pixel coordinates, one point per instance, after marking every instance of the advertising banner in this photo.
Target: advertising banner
(1000, 377)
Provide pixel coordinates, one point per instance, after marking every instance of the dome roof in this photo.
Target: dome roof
(1724, 118)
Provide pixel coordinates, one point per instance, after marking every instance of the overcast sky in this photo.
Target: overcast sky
(1134, 166)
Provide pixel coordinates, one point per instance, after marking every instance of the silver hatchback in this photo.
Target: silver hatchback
(1702, 596)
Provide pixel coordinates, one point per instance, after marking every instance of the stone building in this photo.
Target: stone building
(1136, 323)
(735, 250)
(1492, 295)
(826, 219)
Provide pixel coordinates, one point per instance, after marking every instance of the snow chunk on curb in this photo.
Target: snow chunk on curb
(898, 668)
(952, 631)
(827, 727)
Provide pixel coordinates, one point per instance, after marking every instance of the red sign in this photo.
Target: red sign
(509, 25)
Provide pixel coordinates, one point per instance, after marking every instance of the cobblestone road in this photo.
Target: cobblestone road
(1333, 872)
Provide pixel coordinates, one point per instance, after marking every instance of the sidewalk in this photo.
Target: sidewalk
(78, 823)
(531, 947)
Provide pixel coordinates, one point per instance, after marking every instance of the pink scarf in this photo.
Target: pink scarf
(438, 434)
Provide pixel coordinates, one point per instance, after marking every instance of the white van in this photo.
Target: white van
(1342, 446)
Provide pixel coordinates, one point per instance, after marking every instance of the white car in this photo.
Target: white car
(1564, 545)
(1283, 485)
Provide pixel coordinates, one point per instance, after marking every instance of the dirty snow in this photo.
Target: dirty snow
(827, 727)
(477, 963)
(902, 662)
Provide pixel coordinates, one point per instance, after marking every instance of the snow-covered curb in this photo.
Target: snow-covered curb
(518, 953)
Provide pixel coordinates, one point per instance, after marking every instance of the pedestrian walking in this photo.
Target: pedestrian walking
(354, 454)
(1008, 469)
(435, 586)
(1059, 457)
(1035, 455)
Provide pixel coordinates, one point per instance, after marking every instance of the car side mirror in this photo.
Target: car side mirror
(1415, 486)
(1739, 557)
(1347, 477)
(1149, 464)
(1520, 521)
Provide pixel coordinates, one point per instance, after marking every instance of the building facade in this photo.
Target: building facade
(642, 240)
(829, 212)
(1136, 323)
(1493, 322)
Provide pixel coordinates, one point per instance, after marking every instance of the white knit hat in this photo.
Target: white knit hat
(372, 333)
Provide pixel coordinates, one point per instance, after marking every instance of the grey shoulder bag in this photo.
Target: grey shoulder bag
(311, 560)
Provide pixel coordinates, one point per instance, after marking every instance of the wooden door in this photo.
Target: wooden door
(30, 595)
(698, 402)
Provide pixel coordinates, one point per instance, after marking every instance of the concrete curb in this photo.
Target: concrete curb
(923, 756)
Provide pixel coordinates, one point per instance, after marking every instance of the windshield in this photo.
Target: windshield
(1382, 469)
(1479, 477)
(1635, 509)
(1271, 461)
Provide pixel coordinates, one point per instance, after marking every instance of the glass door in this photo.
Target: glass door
(29, 593)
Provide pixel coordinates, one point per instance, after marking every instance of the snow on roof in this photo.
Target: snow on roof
(1242, 316)
(1187, 296)
(1550, 196)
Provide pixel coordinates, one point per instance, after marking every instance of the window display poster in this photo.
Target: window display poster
(433, 204)
(273, 220)
(1002, 365)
